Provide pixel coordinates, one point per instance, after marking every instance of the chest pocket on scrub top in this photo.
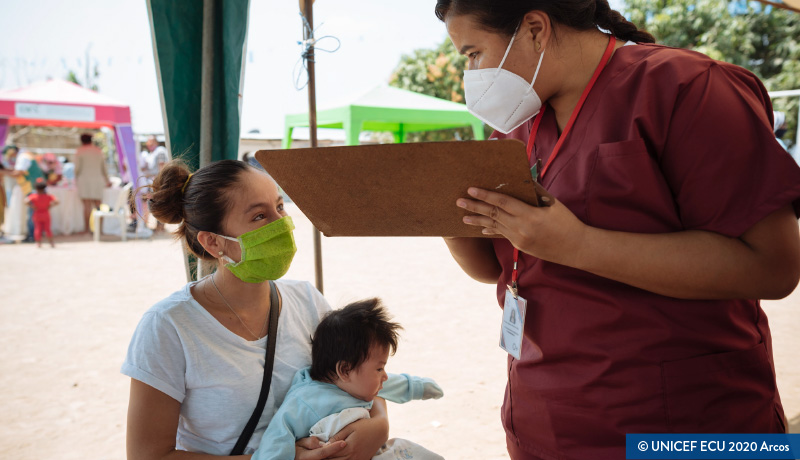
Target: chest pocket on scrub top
(627, 191)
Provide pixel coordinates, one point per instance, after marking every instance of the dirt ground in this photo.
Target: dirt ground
(67, 315)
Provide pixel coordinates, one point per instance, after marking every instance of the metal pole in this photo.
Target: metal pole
(206, 103)
(207, 82)
(308, 33)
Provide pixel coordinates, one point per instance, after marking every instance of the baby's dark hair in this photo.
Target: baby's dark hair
(348, 335)
(41, 185)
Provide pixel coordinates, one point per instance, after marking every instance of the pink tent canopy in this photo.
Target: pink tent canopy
(61, 103)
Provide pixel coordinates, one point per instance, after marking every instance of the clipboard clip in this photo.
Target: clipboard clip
(543, 197)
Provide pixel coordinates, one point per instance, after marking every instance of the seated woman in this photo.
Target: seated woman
(196, 360)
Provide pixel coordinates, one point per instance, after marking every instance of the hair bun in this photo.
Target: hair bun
(166, 193)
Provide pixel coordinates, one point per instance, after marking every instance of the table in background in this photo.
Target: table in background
(67, 216)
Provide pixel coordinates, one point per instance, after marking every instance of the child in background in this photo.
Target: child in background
(348, 356)
(41, 203)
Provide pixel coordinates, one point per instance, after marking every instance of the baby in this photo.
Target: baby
(348, 353)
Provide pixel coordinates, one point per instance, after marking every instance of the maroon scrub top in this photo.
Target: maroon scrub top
(668, 140)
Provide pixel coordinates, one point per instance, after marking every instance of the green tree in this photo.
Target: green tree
(436, 72)
(73, 77)
(764, 40)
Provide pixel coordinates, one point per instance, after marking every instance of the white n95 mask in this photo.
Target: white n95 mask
(500, 98)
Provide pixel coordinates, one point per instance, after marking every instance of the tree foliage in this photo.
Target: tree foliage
(436, 72)
(764, 40)
(73, 77)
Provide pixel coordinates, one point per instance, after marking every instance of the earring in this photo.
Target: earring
(538, 47)
(220, 253)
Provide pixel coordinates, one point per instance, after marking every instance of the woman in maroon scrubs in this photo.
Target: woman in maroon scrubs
(675, 210)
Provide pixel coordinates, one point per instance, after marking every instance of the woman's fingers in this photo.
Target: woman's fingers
(479, 207)
(343, 433)
(309, 443)
(506, 203)
(309, 449)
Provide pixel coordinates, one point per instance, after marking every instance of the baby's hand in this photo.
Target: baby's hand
(431, 389)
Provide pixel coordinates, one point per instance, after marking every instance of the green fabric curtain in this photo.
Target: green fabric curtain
(177, 28)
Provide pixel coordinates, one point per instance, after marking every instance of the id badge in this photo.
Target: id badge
(513, 325)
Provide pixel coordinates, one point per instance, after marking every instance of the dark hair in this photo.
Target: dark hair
(86, 139)
(10, 147)
(41, 185)
(199, 204)
(348, 335)
(503, 16)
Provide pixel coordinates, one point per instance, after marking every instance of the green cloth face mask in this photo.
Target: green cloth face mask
(267, 252)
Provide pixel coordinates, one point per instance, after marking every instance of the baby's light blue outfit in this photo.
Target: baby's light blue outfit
(309, 401)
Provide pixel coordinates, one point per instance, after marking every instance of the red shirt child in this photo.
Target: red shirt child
(41, 202)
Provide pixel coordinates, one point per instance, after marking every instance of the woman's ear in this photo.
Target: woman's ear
(343, 371)
(211, 243)
(538, 29)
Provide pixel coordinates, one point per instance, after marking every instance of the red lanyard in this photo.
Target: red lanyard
(535, 129)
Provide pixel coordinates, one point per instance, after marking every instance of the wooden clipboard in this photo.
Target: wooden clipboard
(398, 189)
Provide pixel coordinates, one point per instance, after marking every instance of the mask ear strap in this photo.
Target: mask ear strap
(225, 257)
(227, 237)
(509, 47)
(538, 66)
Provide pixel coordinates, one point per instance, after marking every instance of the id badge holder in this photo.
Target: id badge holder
(513, 325)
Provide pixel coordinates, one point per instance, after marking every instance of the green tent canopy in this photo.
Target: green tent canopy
(385, 108)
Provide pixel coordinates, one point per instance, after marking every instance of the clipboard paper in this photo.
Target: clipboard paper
(398, 189)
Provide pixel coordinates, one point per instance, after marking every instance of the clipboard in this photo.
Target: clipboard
(399, 189)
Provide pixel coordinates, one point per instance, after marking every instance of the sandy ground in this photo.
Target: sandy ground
(67, 314)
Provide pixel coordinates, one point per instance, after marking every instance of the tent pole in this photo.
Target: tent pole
(308, 34)
(206, 103)
(207, 82)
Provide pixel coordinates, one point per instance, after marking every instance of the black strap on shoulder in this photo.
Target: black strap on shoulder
(274, 310)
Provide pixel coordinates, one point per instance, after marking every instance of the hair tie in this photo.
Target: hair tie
(183, 189)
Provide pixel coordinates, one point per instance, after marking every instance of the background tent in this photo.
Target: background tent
(386, 108)
(60, 103)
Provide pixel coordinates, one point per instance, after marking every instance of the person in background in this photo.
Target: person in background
(7, 181)
(3, 199)
(52, 168)
(27, 172)
(251, 160)
(41, 202)
(91, 176)
(779, 127)
(152, 160)
(8, 160)
(68, 170)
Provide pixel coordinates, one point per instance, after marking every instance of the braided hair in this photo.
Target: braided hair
(503, 16)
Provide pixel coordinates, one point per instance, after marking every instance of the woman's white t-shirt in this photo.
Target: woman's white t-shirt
(181, 350)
